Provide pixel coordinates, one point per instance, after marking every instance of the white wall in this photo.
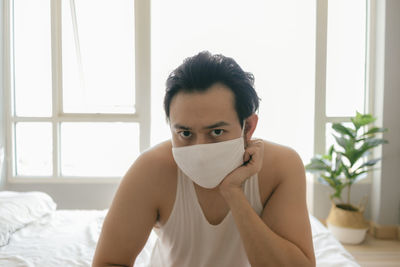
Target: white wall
(386, 184)
(73, 196)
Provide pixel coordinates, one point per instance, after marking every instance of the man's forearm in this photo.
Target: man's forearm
(263, 246)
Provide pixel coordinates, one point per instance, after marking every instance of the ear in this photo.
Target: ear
(250, 127)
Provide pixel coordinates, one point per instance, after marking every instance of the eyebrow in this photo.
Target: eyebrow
(215, 125)
(179, 126)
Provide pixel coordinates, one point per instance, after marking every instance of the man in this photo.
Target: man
(214, 196)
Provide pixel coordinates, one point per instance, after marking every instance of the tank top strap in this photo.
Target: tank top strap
(180, 203)
(252, 192)
(186, 190)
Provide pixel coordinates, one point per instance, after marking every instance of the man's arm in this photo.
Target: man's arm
(130, 218)
(282, 235)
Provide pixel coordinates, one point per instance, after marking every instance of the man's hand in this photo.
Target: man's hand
(253, 159)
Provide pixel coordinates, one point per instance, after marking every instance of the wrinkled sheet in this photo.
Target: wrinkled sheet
(20, 208)
(68, 238)
(63, 238)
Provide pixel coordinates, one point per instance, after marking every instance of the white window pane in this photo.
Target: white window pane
(32, 57)
(98, 58)
(98, 149)
(275, 40)
(34, 148)
(345, 57)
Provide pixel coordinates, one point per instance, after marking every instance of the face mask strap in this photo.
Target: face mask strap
(244, 126)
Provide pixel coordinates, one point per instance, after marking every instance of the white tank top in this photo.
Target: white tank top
(188, 239)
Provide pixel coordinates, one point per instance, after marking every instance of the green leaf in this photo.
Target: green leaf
(375, 130)
(338, 191)
(338, 164)
(331, 149)
(344, 142)
(354, 155)
(327, 157)
(337, 194)
(362, 139)
(338, 127)
(346, 171)
(322, 181)
(339, 170)
(371, 162)
(362, 119)
(328, 180)
(365, 153)
(360, 176)
(373, 142)
(317, 165)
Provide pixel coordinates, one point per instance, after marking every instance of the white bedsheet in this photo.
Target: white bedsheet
(329, 252)
(68, 238)
(64, 238)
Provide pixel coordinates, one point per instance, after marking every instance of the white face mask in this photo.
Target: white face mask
(208, 164)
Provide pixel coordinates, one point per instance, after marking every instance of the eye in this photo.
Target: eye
(185, 134)
(217, 132)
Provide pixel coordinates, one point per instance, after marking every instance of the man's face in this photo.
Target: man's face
(204, 117)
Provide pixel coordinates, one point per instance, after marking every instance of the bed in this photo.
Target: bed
(34, 233)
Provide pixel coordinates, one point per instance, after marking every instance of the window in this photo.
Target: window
(342, 74)
(275, 40)
(78, 105)
(90, 79)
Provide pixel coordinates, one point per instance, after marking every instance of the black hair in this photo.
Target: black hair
(200, 72)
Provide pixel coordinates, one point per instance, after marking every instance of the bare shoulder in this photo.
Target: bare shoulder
(276, 152)
(155, 167)
(155, 161)
(280, 163)
(148, 183)
(279, 157)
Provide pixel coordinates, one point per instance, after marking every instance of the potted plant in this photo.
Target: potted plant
(345, 164)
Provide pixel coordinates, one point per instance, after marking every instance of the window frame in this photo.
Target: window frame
(320, 117)
(142, 95)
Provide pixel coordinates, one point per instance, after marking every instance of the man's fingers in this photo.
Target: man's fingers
(251, 150)
(246, 157)
(253, 153)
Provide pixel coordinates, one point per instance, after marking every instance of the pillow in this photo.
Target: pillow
(20, 208)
